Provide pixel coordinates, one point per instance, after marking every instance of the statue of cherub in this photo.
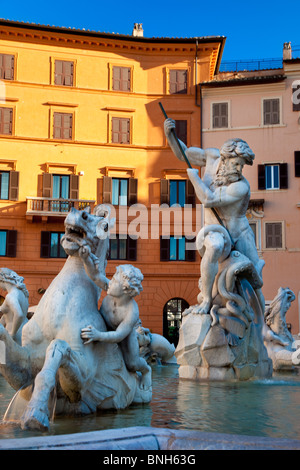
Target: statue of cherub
(121, 314)
(14, 309)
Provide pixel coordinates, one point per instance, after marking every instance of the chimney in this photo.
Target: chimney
(287, 51)
(138, 30)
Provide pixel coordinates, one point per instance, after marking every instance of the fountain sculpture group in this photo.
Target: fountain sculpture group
(97, 360)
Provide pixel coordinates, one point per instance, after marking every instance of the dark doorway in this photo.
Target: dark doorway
(172, 317)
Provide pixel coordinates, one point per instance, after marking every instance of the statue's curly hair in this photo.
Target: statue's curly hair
(8, 275)
(132, 279)
(237, 148)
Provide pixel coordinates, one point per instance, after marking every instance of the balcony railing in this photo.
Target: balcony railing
(46, 206)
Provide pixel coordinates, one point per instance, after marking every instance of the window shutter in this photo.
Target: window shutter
(14, 185)
(107, 189)
(68, 73)
(131, 248)
(2, 67)
(132, 191)
(164, 191)
(125, 131)
(190, 255)
(178, 81)
(8, 67)
(11, 243)
(297, 163)
(273, 235)
(172, 82)
(57, 125)
(283, 174)
(45, 244)
(116, 78)
(74, 186)
(67, 121)
(6, 118)
(47, 184)
(164, 249)
(275, 112)
(261, 177)
(58, 77)
(190, 194)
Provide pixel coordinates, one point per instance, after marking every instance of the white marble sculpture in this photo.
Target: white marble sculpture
(278, 339)
(121, 313)
(221, 336)
(14, 309)
(86, 377)
(154, 347)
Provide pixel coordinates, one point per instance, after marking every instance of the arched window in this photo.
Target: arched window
(172, 319)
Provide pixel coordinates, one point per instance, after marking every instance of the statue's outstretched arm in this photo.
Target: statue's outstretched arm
(196, 156)
(92, 267)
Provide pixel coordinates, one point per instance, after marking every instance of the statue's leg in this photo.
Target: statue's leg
(214, 246)
(36, 415)
(15, 365)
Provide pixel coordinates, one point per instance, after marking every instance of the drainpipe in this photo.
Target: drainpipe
(199, 105)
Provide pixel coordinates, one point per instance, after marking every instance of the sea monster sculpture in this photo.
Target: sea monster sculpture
(278, 339)
(86, 377)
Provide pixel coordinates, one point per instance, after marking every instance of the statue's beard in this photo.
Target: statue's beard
(225, 177)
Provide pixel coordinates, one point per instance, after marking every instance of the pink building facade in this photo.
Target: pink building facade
(263, 108)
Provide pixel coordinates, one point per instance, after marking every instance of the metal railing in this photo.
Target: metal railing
(250, 65)
(54, 206)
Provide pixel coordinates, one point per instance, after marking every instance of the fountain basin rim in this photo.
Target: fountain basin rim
(149, 438)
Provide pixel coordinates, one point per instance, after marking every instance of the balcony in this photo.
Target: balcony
(46, 207)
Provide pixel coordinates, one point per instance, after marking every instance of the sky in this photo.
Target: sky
(253, 29)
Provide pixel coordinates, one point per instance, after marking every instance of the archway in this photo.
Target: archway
(172, 317)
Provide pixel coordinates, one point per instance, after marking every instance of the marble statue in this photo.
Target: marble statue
(14, 309)
(278, 339)
(221, 336)
(121, 313)
(153, 347)
(52, 355)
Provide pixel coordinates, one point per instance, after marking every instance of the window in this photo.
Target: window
(219, 115)
(121, 79)
(297, 163)
(296, 95)
(177, 192)
(6, 119)
(178, 82)
(120, 128)
(7, 62)
(271, 112)
(51, 246)
(9, 185)
(4, 184)
(181, 130)
(175, 249)
(273, 176)
(8, 243)
(64, 71)
(61, 190)
(60, 187)
(123, 247)
(273, 235)
(119, 191)
(63, 126)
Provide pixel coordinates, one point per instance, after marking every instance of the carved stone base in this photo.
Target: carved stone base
(228, 350)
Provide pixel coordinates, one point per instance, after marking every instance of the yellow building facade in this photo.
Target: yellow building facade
(80, 124)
